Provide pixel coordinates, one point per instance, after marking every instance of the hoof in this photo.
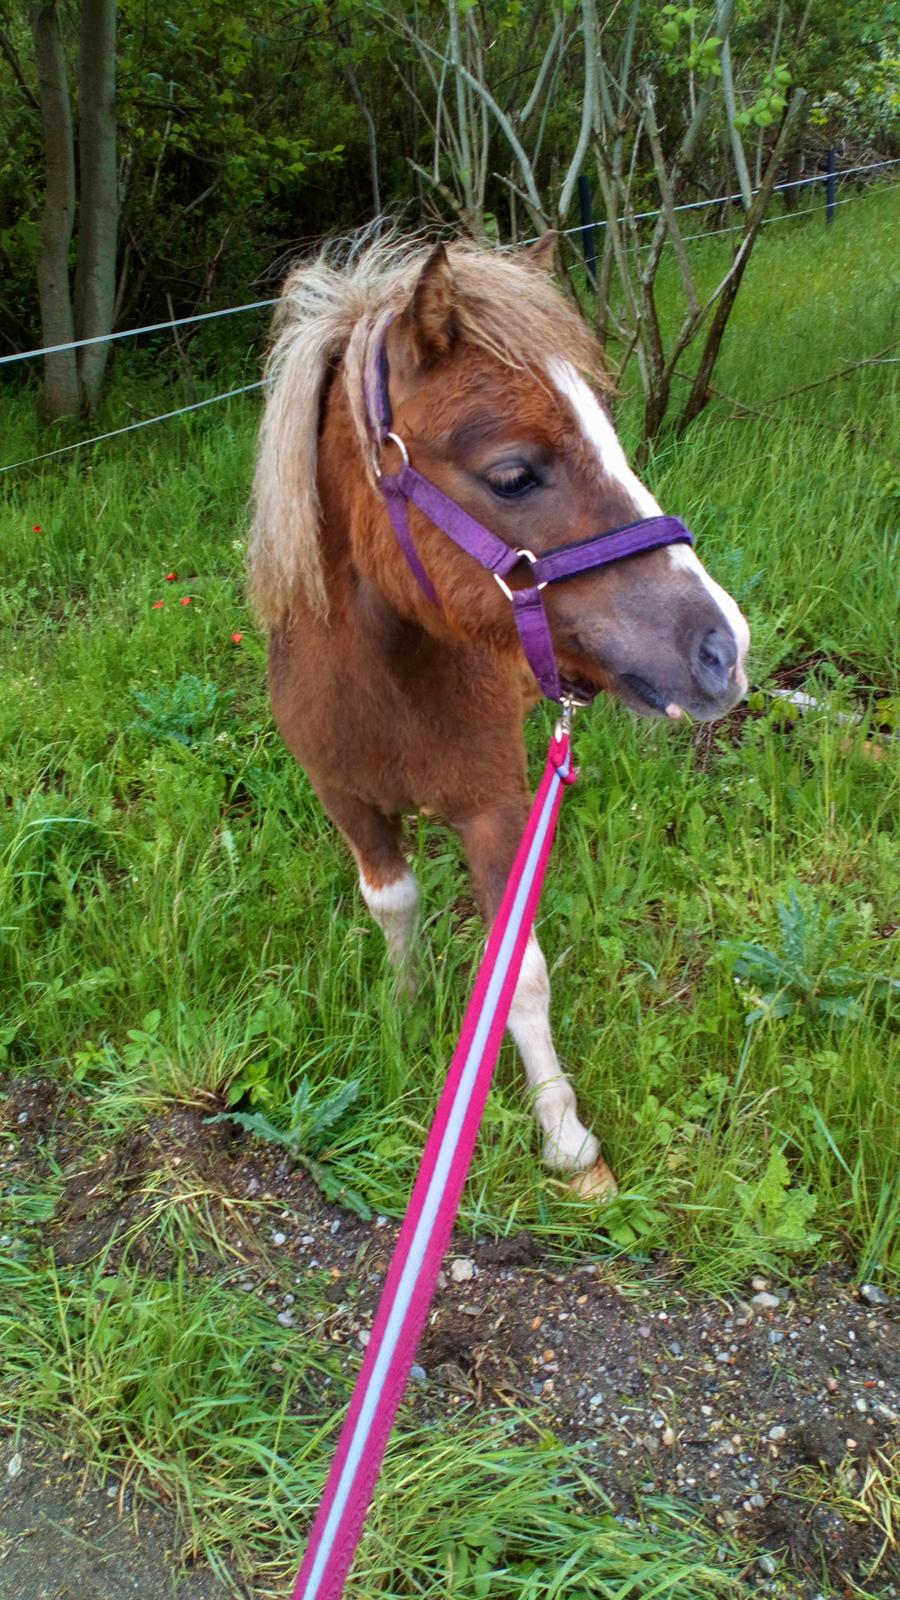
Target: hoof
(597, 1184)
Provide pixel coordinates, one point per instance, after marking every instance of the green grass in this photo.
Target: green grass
(194, 1391)
(177, 918)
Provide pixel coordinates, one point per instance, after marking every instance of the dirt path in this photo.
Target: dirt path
(57, 1543)
(764, 1411)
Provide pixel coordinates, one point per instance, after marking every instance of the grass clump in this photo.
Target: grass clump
(192, 1393)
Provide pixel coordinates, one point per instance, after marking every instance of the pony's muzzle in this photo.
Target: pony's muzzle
(714, 657)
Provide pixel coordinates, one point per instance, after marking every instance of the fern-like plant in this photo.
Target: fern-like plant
(305, 1137)
(802, 977)
(186, 712)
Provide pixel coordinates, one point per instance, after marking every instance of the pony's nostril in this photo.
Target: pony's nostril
(716, 655)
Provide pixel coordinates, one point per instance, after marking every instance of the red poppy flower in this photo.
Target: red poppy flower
(185, 600)
(236, 638)
(171, 576)
(158, 605)
(37, 528)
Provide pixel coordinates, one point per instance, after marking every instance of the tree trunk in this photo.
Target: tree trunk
(95, 275)
(61, 395)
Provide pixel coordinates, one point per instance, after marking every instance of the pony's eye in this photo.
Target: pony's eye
(511, 482)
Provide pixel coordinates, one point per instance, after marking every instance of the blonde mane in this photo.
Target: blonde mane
(333, 309)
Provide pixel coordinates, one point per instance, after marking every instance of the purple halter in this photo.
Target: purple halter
(492, 553)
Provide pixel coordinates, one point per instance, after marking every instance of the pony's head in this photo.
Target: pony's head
(498, 392)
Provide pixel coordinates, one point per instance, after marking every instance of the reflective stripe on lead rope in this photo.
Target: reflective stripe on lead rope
(428, 1224)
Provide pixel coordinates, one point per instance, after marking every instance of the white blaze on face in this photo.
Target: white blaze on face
(598, 429)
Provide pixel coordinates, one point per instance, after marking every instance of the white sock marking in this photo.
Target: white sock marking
(395, 908)
(568, 1146)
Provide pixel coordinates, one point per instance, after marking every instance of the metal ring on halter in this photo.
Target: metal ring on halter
(396, 439)
(400, 446)
(527, 555)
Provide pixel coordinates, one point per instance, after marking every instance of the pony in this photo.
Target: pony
(396, 672)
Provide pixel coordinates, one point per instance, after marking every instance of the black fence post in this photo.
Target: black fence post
(588, 232)
(830, 186)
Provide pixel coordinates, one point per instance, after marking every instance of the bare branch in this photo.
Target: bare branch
(538, 216)
(684, 156)
(7, 48)
(509, 134)
(737, 147)
(730, 284)
(370, 130)
(438, 115)
(445, 193)
(541, 78)
(834, 377)
(611, 201)
(564, 43)
(481, 172)
(462, 109)
(589, 30)
(668, 205)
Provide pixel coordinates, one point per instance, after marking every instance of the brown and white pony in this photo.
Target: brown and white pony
(394, 704)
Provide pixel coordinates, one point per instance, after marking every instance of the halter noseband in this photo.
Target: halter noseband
(492, 552)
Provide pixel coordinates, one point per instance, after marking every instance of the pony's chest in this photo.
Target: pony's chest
(436, 736)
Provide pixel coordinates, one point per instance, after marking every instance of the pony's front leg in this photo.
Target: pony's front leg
(568, 1145)
(491, 840)
(388, 886)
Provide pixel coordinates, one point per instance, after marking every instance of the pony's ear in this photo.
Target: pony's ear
(430, 315)
(541, 254)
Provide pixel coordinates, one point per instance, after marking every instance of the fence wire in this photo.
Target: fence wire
(132, 333)
(261, 305)
(727, 199)
(145, 422)
(198, 405)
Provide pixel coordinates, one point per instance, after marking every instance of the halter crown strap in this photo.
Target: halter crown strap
(493, 553)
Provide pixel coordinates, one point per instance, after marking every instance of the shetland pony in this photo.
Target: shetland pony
(397, 695)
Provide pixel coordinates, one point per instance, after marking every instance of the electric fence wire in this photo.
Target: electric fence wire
(260, 305)
(145, 422)
(246, 388)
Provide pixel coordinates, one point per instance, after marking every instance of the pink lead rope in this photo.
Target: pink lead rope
(428, 1224)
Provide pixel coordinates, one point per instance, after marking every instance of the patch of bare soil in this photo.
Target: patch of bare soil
(717, 1402)
(65, 1540)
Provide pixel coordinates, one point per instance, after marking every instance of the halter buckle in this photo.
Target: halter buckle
(526, 555)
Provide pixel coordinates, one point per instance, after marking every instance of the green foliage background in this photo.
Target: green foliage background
(240, 139)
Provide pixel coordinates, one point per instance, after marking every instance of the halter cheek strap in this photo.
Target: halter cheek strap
(493, 553)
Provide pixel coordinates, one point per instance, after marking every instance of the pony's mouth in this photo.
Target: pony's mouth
(650, 695)
(637, 693)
